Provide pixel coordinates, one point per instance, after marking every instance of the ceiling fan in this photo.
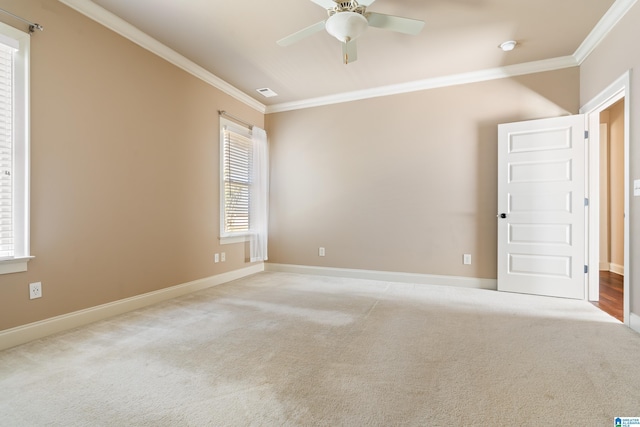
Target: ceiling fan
(348, 20)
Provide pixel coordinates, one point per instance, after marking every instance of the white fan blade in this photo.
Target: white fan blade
(305, 32)
(327, 4)
(349, 51)
(395, 23)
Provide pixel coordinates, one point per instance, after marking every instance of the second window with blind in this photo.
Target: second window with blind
(235, 192)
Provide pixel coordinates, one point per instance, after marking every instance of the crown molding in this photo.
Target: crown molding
(118, 25)
(432, 83)
(602, 28)
(599, 32)
(122, 27)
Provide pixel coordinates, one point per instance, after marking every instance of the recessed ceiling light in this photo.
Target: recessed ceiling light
(508, 45)
(268, 93)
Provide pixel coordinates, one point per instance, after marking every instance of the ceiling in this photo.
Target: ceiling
(236, 41)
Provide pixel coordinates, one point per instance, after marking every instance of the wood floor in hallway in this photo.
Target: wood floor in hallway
(611, 294)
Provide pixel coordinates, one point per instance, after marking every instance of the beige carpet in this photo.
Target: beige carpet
(291, 350)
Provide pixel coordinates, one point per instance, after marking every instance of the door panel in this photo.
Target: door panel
(541, 192)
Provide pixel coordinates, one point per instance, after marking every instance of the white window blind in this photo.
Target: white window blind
(14, 150)
(6, 151)
(237, 160)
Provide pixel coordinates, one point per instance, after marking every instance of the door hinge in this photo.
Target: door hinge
(586, 134)
(586, 269)
(586, 201)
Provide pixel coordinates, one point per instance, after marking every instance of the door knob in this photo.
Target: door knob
(502, 215)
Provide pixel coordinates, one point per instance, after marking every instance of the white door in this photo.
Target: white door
(541, 213)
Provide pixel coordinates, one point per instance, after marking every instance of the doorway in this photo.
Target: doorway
(608, 193)
(611, 248)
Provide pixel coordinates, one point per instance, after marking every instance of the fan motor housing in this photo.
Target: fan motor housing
(347, 6)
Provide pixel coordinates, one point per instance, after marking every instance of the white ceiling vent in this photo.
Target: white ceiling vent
(266, 92)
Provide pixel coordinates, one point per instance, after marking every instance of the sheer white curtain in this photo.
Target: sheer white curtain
(259, 196)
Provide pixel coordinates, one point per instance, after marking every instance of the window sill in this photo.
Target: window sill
(227, 240)
(14, 265)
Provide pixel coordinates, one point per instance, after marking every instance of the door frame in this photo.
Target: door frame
(616, 91)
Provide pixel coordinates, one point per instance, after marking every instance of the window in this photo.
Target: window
(14, 150)
(244, 192)
(236, 160)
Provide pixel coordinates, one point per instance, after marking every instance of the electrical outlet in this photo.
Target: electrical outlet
(35, 290)
(223, 257)
(216, 258)
(466, 259)
(320, 251)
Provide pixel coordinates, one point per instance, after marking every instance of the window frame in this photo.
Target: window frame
(225, 236)
(21, 150)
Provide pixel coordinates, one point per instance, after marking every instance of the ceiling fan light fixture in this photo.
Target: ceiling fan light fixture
(508, 45)
(346, 26)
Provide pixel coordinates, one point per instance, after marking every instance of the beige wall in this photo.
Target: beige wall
(612, 188)
(404, 183)
(616, 183)
(614, 56)
(605, 224)
(124, 170)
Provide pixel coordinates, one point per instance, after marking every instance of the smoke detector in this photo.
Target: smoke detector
(508, 45)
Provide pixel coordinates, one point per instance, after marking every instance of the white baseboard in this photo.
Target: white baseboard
(32, 331)
(634, 322)
(388, 276)
(617, 268)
